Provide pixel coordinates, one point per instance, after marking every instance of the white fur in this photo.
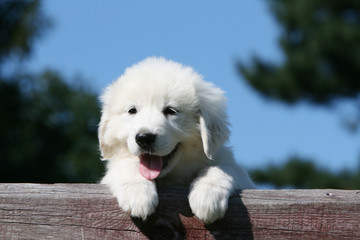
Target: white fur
(200, 128)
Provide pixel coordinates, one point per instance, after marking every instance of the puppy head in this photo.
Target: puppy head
(155, 108)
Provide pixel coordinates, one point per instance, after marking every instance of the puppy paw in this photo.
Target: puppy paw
(208, 202)
(138, 199)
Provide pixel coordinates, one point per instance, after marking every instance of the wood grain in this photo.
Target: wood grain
(89, 211)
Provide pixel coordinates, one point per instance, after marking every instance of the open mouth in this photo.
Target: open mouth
(151, 165)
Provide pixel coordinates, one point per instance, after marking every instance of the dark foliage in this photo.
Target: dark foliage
(321, 45)
(320, 41)
(48, 127)
(21, 23)
(303, 173)
(48, 131)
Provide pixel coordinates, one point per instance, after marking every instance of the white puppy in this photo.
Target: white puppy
(162, 124)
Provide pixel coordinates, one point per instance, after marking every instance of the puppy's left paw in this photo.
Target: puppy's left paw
(208, 202)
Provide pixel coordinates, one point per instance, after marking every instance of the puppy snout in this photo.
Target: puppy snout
(145, 140)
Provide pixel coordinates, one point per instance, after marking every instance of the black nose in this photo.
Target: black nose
(145, 140)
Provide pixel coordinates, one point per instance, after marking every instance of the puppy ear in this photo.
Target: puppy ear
(106, 149)
(214, 127)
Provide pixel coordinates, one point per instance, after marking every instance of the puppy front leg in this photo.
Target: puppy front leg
(209, 194)
(139, 199)
(135, 194)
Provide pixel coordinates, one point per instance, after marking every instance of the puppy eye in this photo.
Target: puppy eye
(132, 110)
(170, 111)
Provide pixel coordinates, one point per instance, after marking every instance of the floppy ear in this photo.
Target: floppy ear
(214, 127)
(106, 149)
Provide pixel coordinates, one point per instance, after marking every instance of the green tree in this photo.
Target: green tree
(22, 22)
(303, 173)
(48, 133)
(320, 41)
(48, 127)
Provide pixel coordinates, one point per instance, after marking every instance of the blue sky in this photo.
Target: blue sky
(99, 39)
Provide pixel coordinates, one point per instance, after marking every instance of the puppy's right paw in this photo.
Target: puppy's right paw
(138, 199)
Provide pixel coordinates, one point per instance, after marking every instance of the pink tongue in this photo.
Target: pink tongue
(150, 166)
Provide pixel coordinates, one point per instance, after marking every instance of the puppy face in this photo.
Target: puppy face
(157, 108)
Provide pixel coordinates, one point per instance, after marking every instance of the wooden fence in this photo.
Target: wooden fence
(89, 211)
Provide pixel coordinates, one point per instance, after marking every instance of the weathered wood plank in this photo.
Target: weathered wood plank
(89, 211)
